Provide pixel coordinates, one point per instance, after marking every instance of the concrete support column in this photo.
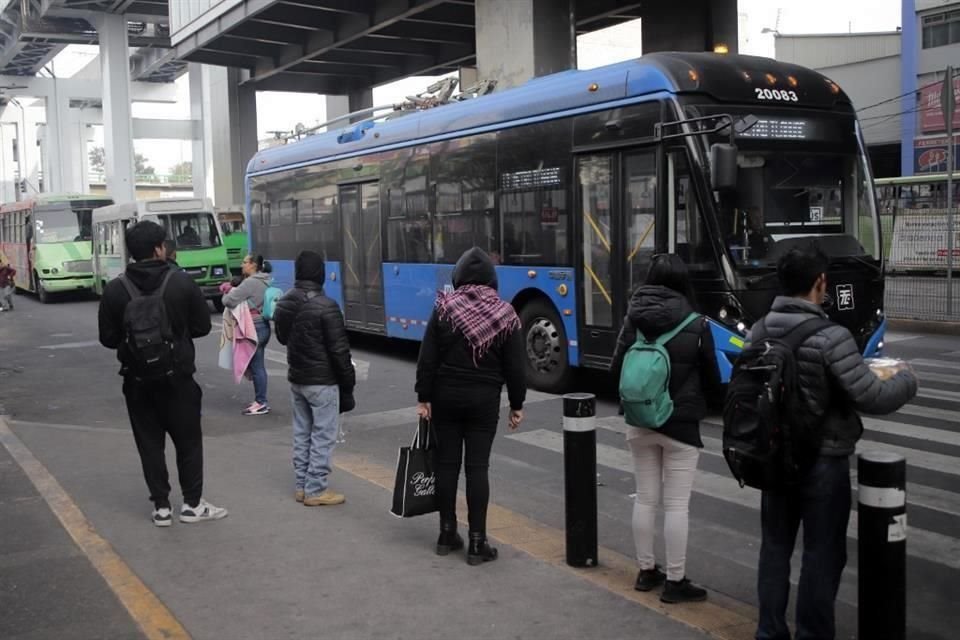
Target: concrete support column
(522, 39)
(117, 116)
(229, 133)
(337, 106)
(702, 25)
(64, 147)
(197, 153)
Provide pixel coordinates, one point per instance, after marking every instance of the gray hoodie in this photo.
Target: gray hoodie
(251, 291)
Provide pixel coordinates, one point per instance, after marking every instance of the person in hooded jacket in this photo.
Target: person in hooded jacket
(665, 459)
(472, 347)
(250, 291)
(321, 375)
(172, 405)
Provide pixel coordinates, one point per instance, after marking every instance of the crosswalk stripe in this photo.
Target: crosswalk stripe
(912, 431)
(915, 458)
(936, 364)
(938, 394)
(929, 412)
(928, 376)
(924, 544)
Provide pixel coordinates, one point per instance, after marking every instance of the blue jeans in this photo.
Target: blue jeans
(316, 423)
(822, 503)
(258, 365)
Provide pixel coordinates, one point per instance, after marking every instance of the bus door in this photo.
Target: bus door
(362, 268)
(616, 199)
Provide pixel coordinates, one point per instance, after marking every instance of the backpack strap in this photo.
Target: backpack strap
(131, 288)
(166, 279)
(673, 333)
(796, 336)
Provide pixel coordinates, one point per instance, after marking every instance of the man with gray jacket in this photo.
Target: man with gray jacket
(835, 384)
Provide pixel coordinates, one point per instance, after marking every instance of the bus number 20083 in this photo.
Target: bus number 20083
(776, 94)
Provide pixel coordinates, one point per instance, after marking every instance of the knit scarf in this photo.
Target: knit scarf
(479, 314)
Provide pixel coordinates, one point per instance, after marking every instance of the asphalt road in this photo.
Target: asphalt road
(62, 393)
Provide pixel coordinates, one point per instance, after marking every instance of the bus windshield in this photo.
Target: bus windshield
(783, 198)
(195, 230)
(801, 175)
(61, 223)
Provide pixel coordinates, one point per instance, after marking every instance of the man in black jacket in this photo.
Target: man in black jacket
(835, 383)
(170, 405)
(321, 375)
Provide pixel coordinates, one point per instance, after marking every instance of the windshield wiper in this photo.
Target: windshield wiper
(860, 259)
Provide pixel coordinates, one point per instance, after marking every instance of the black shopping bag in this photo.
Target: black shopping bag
(415, 489)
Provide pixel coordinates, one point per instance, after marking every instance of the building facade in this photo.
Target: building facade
(895, 80)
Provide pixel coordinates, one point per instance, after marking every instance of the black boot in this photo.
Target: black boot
(449, 539)
(480, 550)
(682, 591)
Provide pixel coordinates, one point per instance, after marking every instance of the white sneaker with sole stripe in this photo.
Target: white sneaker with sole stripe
(162, 517)
(201, 513)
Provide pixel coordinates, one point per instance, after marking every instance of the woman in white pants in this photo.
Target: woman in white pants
(665, 459)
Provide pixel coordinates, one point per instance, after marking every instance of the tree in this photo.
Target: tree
(182, 171)
(140, 166)
(98, 164)
(98, 160)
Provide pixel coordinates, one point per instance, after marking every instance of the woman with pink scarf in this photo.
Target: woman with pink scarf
(472, 347)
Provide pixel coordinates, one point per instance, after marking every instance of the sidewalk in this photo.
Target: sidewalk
(48, 588)
(275, 569)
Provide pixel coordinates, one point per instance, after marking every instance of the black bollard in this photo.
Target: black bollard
(882, 536)
(580, 477)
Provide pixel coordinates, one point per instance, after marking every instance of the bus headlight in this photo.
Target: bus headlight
(54, 270)
(219, 272)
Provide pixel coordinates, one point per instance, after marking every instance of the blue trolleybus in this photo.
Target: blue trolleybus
(572, 183)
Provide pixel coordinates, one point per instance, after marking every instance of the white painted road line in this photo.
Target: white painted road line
(928, 545)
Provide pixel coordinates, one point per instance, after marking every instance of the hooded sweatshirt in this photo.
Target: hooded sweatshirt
(450, 369)
(311, 326)
(694, 376)
(187, 311)
(251, 291)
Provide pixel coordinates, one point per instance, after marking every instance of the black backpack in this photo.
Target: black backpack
(147, 332)
(770, 438)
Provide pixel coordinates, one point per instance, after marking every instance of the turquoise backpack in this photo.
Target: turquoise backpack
(645, 379)
(270, 297)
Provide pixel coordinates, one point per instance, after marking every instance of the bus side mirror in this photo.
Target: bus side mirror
(723, 167)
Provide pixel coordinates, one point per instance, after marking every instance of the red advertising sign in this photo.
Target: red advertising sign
(930, 154)
(931, 111)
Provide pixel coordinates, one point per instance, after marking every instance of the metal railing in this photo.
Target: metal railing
(185, 179)
(919, 277)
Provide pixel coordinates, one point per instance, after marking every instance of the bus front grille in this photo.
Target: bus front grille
(78, 266)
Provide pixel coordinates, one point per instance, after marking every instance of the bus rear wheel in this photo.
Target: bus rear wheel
(545, 345)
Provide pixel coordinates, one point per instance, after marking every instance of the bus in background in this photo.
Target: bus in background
(47, 239)
(189, 222)
(233, 223)
(110, 256)
(572, 183)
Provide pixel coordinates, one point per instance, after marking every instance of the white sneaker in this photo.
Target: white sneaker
(202, 512)
(162, 517)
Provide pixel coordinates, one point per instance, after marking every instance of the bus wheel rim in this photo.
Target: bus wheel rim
(543, 343)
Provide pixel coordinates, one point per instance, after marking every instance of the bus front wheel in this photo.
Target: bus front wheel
(217, 304)
(42, 294)
(545, 345)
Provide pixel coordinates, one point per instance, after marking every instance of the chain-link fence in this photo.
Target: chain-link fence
(919, 276)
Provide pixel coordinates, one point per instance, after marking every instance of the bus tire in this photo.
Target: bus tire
(42, 294)
(217, 304)
(545, 347)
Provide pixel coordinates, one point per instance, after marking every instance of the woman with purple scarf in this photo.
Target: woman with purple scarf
(472, 347)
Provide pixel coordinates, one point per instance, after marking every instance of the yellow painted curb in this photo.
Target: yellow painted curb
(720, 617)
(151, 615)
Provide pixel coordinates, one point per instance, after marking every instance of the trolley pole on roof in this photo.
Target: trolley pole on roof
(948, 103)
